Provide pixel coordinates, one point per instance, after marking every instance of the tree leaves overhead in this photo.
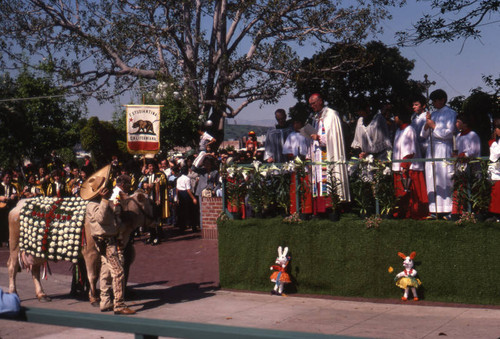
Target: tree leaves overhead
(452, 20)
(376, 72)
(217, 50)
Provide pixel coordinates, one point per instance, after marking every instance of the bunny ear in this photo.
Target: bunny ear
(279, 251)
(285, 252)
(402, 255)
(412, 255)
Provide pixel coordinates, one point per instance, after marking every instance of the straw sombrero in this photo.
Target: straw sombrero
(91, 187)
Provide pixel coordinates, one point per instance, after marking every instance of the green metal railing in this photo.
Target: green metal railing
(153, 328)
(351, 161)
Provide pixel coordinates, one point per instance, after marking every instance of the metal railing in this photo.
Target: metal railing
(153, 328)
(350, 162)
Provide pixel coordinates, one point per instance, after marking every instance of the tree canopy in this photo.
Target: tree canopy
(218, 51)
(380, 75)
(32, 129)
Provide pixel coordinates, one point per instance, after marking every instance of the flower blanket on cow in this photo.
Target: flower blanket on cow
(52, 228)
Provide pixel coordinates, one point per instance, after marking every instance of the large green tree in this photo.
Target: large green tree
(32, 128)
(220, 52)
(101, 138)
(379, 74)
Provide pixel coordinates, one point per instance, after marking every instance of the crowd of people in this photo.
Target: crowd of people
(176, 184)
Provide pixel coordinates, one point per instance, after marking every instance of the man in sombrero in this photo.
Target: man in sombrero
(103, 228)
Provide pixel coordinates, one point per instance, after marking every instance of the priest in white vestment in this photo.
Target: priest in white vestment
(328, 145)
(439, 129)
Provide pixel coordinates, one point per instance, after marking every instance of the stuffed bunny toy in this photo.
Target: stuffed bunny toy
(280, 277)
(406, 278)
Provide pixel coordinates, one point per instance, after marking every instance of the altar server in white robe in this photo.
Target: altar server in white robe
(439, 129)
(328, 145)
(372, 134)
(468, 145)
(418, 119)
(409, 179)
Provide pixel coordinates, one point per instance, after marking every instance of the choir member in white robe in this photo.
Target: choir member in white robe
(468, 145)
(276, 137)
(418, 119)
(296, 144)
(371, 135)
(439, 129)
(494, 170)
(328, 145)
(409, 179)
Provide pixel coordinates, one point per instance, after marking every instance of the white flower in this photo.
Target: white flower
(64, 250)
(74, 261)
(36, 223)
(256, 164)
(39, 237)
(30, 207)
(80, 218)
(79, 224)
(60, 243)
(51, 250)
(51, 257)
(369, 158)
(65, 243)
(71, 241)
(77, 236)
(75, 253)
(39, 249)
(387, 171)
(58, 257)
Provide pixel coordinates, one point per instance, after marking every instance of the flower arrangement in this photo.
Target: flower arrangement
(292, 219)
(373, 221)
(466, 218)
(236, 187)
(51, 228)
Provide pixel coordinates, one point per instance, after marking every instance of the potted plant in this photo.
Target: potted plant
(236, 190)
(481, 191)
(383, 188)
(332, 186)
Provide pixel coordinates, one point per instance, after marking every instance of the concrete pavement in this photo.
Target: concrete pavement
(206, 305)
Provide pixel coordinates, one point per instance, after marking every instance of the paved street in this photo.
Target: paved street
(178, 281)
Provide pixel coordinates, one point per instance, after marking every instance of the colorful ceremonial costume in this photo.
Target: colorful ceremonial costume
(409, 179)
(440, 147)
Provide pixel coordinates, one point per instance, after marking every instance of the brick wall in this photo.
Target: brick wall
(210, 210)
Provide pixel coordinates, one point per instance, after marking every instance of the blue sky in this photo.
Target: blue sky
(456, 67)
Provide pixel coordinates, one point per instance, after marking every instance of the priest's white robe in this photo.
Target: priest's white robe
(329, 129)
(440, 144)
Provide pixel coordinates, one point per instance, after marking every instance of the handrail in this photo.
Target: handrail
(153, 328)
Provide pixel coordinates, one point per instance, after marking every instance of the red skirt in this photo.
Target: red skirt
(413, 204)
(495, 198)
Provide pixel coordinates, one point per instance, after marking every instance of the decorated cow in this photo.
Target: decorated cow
(46, 228)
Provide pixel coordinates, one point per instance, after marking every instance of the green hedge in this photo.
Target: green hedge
(455, 263)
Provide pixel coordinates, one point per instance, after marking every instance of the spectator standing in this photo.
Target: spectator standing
(186, 199)
(439, 130)
(276, 137)
(8, 199)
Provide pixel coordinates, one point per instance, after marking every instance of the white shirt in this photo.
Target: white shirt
(183, 183)
(469, 144)
(494, 158)
(405, 143)
(296, 144)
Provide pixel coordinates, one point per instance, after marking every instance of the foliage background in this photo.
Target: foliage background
(455, 263)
